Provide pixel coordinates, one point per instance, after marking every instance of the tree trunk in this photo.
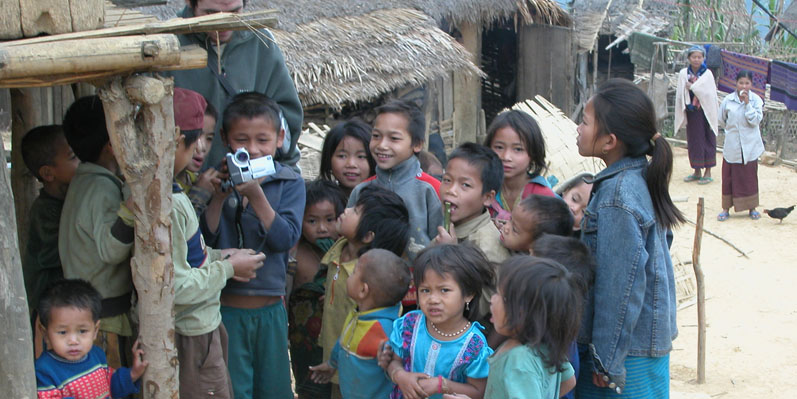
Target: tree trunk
(467, 88)
(29, 108)
(17, 377)
(144, 142)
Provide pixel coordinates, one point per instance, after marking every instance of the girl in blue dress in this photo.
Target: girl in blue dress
(437, 350)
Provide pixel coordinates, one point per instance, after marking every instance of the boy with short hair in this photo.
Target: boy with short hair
(96, 231)
(397, 136)
(72, 366)
(265, 215)
(472, 177)
(50, 159)
(536, 215)
(200, 273)
(379, 281)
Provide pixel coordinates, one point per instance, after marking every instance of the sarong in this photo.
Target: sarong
(700, 141)
(739, 185)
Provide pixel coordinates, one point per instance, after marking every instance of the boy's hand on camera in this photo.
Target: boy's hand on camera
(410, 384)
(206, 179)
(250, 189)
(139, 364)
(322, 373)
(445, 237)
(245, 264)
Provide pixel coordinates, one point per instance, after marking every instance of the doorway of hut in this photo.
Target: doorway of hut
(612, 63)
(499, 60)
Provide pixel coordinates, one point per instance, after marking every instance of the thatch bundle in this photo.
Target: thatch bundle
(350, 59)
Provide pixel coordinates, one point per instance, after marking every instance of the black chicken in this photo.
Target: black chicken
(779, 213)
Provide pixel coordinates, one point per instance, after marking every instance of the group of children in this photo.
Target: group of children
(386, 281)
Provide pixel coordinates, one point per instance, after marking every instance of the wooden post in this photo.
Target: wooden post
(29, 108)
(701, 295)
(144, 142)
(17, 377)
(467, 88)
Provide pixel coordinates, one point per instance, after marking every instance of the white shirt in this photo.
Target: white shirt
(742, 136)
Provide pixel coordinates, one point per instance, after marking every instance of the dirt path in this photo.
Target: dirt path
(752, 303)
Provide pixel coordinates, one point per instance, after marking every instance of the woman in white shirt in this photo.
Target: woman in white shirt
(740, 114)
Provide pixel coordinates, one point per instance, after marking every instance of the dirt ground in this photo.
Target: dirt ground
(751, 314)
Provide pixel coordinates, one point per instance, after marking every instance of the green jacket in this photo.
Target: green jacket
(250, 63)
(199, 272)
(41, 264)
(93, 242)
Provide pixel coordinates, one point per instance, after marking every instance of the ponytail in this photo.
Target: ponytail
(621, 108)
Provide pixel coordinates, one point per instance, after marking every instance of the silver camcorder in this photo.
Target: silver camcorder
(242, 168)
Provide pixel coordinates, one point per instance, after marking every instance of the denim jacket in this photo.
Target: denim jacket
(631, 308)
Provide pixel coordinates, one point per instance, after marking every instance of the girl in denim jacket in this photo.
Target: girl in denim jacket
(629, 321)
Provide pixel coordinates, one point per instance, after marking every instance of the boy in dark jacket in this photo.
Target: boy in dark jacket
(264, 215)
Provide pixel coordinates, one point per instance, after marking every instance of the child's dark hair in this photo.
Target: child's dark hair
(40, 146)
(211, 111)
(486, 160)
(416, 123)
(382, 212)
(466, 264)
(744, 73)
(551, 215)
(84, 128)
(251, 105)
(571, 253)
(623, 109)
(73, 293)
(543, 304)
(530, 134)
(387, 275)
(324, 190)
(354, 128)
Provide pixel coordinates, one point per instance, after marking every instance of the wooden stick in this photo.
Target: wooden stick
(721, 238)
(222, 21)
(701, 295)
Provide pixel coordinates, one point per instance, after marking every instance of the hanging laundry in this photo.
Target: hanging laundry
(732, 63)
(640, 45)
(713, 56)
(783, 83)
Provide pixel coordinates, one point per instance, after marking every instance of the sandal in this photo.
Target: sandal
(755, 215)
(691, 178)
(705, 180)
(723, 216)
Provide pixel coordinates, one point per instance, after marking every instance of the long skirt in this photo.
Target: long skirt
(700, 141)
(739, 185)
(646, 377)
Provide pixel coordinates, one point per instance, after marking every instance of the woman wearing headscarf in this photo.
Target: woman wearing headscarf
(696, 105)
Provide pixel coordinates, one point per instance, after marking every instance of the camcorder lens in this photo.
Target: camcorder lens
(242, 157)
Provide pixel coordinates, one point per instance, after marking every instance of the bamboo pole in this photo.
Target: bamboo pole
(140, 121)
(190, 57)
(701, 295)
(17, 376)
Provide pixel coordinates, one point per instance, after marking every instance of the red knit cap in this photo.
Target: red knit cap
(189, 109)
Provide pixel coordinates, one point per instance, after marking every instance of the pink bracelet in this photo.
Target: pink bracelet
(440, 384)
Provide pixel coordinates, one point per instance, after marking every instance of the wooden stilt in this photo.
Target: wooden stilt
(701, 295)
(144, 140)
(17, 376)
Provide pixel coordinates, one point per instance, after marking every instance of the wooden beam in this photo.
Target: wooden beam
(142, 132)
(467, 88)
(207, 23)
(45, 16)
(10, 20)
(17, 376)
(189, 57)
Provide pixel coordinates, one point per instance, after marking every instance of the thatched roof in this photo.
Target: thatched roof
(593, 17)
(350, 59)
(297, 12)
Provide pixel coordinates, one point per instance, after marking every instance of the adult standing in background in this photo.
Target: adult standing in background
(696, 105)
(740, 114)
(241, 61)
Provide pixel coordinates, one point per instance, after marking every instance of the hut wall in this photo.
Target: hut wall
(546, 64)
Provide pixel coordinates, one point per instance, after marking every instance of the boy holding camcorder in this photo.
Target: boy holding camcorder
(262, 214)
